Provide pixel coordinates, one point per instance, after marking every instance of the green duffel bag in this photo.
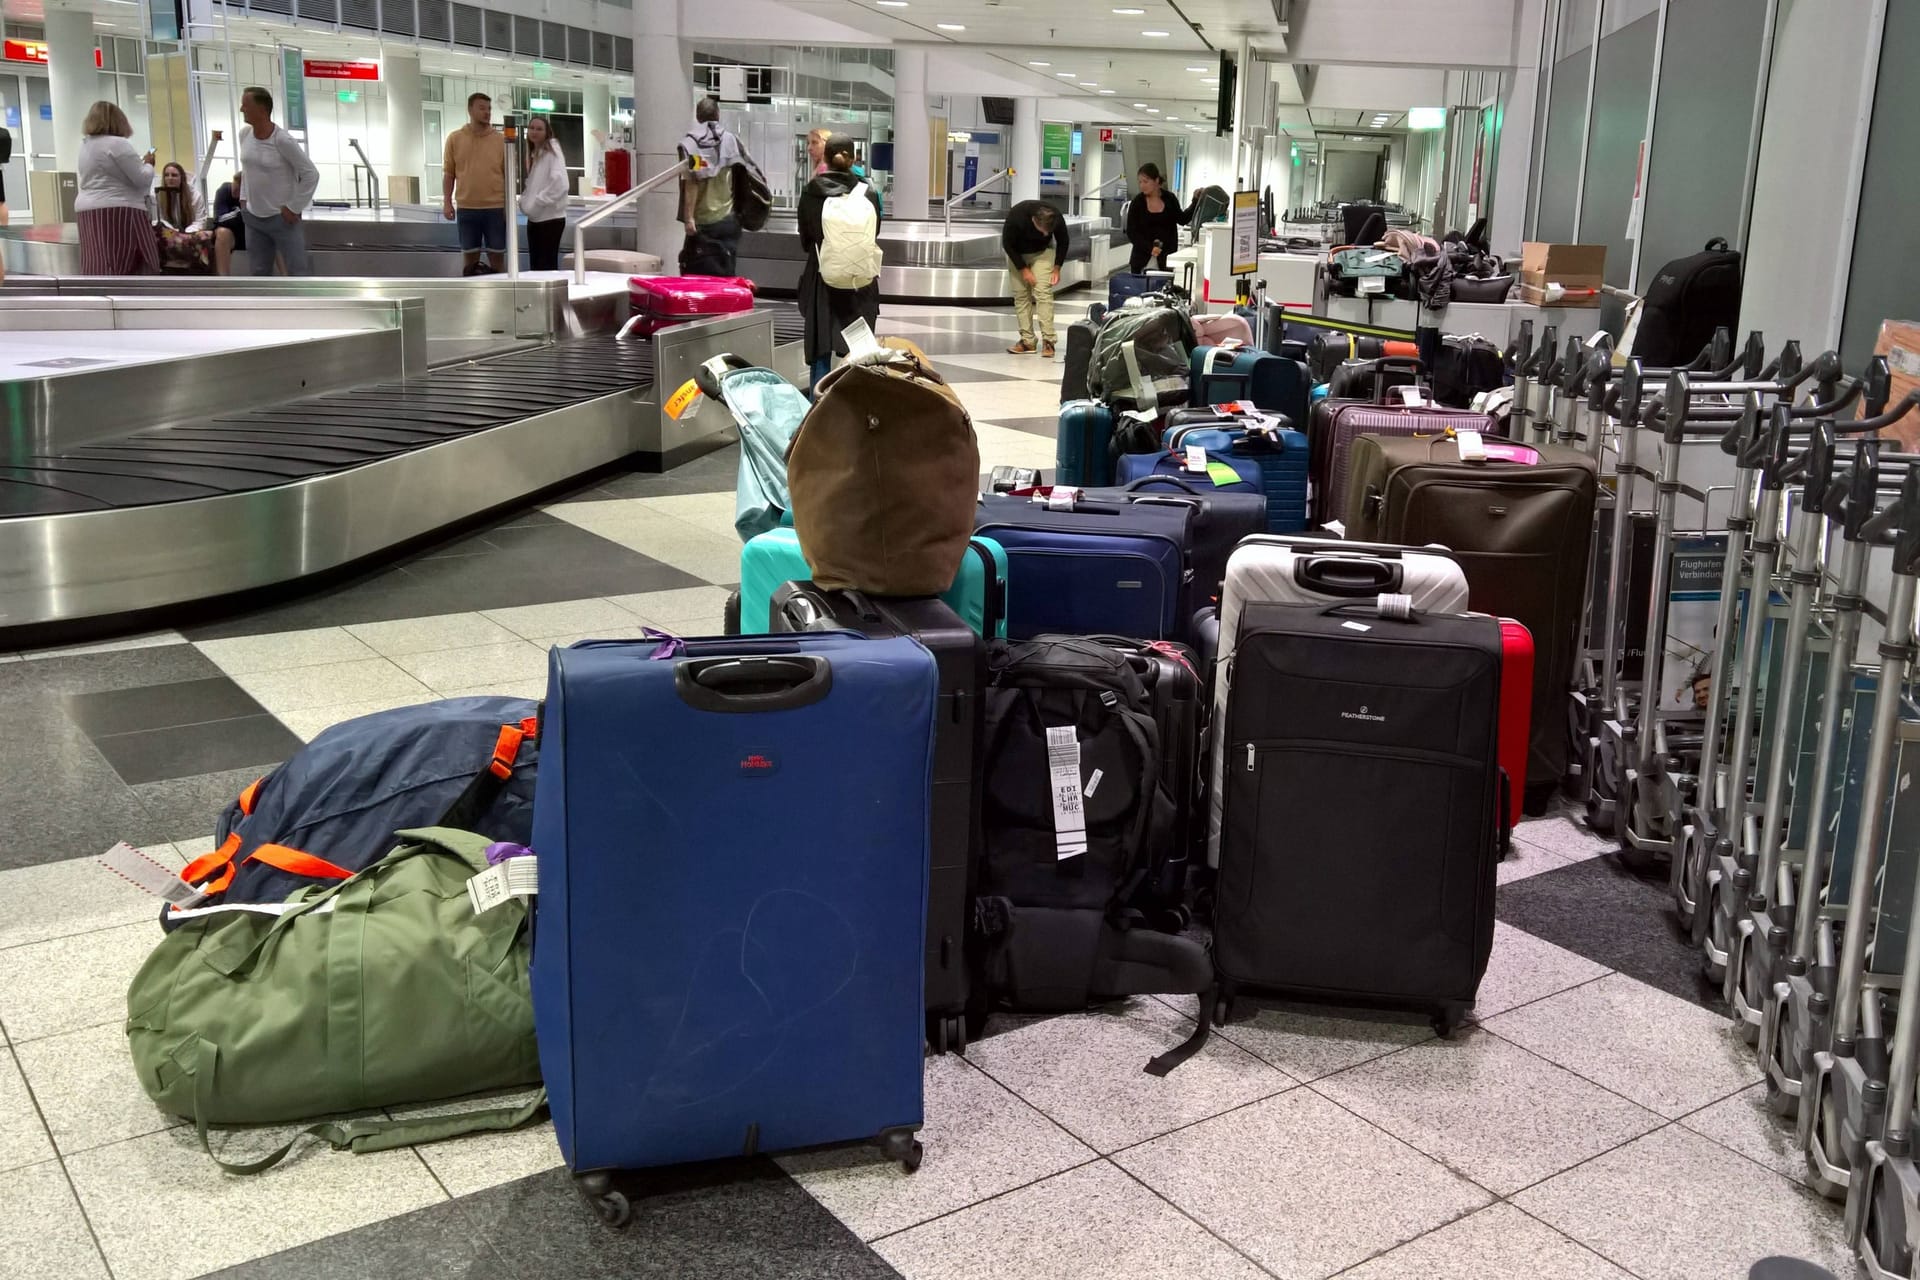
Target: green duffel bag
(380, 990)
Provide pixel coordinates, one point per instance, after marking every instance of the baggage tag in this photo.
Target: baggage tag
(129, 863)
(862, 346)
(1069, 818)
(514, 878)
(1196, 457)
(1472, 447)
(1222, 475)
(1061, 497)
(1371, 284)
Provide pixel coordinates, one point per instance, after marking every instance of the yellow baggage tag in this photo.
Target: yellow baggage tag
(682, 401)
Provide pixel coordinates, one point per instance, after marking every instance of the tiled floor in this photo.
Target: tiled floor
(1598, 1120)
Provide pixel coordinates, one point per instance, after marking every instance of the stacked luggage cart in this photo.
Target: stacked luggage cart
(1746, 717)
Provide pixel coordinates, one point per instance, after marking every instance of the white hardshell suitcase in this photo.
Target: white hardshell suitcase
(1296, 569)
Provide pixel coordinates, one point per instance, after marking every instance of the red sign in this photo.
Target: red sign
(320, 70)
(1106, 135)
(35, 51)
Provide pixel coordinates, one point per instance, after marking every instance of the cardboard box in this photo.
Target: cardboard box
(1900, 344)
(1574, 267)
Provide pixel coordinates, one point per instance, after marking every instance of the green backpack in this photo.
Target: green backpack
(380, 990)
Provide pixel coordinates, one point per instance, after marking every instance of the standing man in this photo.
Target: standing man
(1035, 240)
(473, 186)
(279, 185)
(706, 195)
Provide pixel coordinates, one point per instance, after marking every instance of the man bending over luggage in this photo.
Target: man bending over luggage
(1035, 239)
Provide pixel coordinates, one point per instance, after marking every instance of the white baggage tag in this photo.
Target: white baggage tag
(1069, 818)
(1196, 458)
(1093, 782)
(514, 878)
(1473, 448)
(862, 346)
(1372, 284)
(129, 863)
(1062, 497)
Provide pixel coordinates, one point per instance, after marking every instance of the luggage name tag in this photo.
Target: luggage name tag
(1372, 284)
(684, 401)
(130, 864)
(1472, 447)
(1196, 457)
(514, 878)
(1069, 817)
(862, 346)
(1222, 475)
(1060, 498)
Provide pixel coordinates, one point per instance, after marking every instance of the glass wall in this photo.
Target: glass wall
(1562, 148)
(1622, 79)
(1885, 279)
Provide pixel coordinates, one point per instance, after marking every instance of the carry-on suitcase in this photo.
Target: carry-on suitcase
(1516, 714)
(1171, 675)
(770, 561)
(1219, 519)
(1223, 374)
(1075, 357)
(1360, 379)
(1311, 571)
(1360, 825)
(1083, 449)
(1122, 285)
(961, 657)
(1337, 424)
(659, 301)
(1271, 463)
(1519, 521)
(1093, 567)
(717, 970)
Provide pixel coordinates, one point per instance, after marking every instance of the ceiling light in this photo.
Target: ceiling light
(1139, 106)
(1201, 70)
(1104, 91)
(1066, 75)
(1153, 111)
(949, 26)
(1154, 35)
(1039, 64)
(1129, 13)
(891, 4)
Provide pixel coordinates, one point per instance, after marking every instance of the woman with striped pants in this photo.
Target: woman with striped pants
(113, 205)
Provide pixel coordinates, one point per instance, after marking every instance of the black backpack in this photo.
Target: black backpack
(1463, 367)
(752, 197)
(1067, 920)
(1689, 299)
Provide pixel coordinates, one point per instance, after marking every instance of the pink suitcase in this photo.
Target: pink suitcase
(659, 301)
(1217, 330)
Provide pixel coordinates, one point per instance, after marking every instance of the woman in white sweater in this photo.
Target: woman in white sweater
(116, 184)
(544, 197)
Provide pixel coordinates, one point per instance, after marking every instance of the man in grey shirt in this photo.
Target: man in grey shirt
(279, 184)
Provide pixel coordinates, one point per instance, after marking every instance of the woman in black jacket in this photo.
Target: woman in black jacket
(1154, 219)
(825, 309)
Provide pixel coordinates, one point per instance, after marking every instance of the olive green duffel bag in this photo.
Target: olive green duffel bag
(380, 990)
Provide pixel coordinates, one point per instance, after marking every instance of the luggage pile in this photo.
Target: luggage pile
(1742, 717)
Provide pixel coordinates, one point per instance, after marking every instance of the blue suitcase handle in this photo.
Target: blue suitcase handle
(754, 684)
(1162, 479)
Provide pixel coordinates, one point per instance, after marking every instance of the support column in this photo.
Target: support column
(912, 139)
(1024, 153)
(596, 103)
(662, 114)
(74, 82)
(1509, 173)
(406, 145)
(1093, 168)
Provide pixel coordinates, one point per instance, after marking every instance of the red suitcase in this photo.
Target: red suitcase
(659, 301)
(1516, 710)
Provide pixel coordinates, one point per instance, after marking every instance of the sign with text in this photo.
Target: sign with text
(1056, 147)
(293, 87)
(324, 69)
(1246, 232)
(35, 51)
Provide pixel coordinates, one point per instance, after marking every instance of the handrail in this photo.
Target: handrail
(946, 210)
(206, 163)
(608, 209)
(1097, 188)
(373, 178)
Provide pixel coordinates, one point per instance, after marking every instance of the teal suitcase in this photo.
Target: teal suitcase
(773, 559)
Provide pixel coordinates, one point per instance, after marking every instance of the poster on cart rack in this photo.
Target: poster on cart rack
(1693, 608)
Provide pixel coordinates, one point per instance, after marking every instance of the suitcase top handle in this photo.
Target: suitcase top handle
(746, 685)
(1347, 576)
(1176, 481)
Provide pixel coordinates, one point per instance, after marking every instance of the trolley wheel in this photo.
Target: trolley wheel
(612, 1206)
(1174, 919)
(1638, 861)
(1779, 1101)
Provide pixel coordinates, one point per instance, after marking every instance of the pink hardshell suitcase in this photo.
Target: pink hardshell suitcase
(659, 301)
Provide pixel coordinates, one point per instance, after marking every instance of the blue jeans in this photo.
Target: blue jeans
(482, 229)
(267, 237)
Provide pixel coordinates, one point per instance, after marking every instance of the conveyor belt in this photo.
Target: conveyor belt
(282, 443)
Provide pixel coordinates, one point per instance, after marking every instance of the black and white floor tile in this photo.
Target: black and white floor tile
(1598, 1120)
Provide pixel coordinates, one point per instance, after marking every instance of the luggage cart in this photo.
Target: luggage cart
(1538, 371)
(1845, 1095)
(1520, 415)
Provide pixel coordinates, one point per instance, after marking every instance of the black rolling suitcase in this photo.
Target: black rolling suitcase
(1171, 674)
(960, 656)
(1075, 357)
(1362, 818)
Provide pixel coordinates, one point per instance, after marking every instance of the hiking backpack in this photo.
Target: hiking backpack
(1689, 299)
(849, 245)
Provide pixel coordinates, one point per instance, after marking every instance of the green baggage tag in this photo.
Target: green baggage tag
(1222, 475)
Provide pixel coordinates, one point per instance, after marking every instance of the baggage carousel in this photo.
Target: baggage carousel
(237, 434)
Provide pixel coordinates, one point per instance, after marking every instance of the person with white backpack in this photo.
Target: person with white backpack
(840, 230)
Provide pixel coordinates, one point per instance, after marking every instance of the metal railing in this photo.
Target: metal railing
(608, 209)
(1094, 194)
(373, 178)
(947, 209)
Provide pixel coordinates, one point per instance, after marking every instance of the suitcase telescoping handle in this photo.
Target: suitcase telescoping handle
(744, 685)
(1357, 577)
(1394, 364)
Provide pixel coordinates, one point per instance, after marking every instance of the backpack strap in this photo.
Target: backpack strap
(361, 1136)
(479, 794)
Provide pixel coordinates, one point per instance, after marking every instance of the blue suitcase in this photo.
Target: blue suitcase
(1123, 285)
(1272, 464)
(1096, 569)
(1082, 451)
(1273, 383)
(773, 559)
(713, 973)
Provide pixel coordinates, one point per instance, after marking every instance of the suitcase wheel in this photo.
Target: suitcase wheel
(611, 1205)
(947, 1033)
(730, 624)
(1448, 1020)
(901, 1145)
